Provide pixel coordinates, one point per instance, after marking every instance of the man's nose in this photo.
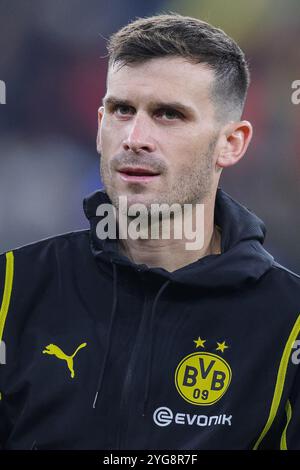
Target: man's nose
(139, 136)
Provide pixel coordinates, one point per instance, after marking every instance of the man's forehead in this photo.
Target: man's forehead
(170, 78)
(175, 68)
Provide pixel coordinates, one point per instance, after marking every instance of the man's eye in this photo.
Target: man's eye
(169, 114)
(122, 110)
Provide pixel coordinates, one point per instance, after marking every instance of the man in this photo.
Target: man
(139, 342)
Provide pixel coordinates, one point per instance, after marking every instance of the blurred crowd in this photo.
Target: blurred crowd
(53, 63)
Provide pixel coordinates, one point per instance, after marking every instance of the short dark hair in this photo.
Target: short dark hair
(196, 41)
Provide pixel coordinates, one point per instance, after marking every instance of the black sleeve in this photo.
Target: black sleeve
(290, 439)
(2, 283)
(6, 269)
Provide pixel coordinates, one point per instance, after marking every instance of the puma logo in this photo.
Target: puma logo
(54, 350)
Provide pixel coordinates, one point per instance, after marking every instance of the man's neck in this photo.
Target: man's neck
(172, 254)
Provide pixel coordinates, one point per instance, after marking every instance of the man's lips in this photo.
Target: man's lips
(137, 174)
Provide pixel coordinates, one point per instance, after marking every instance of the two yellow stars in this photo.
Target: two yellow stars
(200, 344)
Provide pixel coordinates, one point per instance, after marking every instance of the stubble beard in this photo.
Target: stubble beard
(193, 185)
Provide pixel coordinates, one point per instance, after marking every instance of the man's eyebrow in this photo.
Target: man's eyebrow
(113, 100)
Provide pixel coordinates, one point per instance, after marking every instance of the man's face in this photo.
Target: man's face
(158, 133)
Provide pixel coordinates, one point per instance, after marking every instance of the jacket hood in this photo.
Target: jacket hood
(242, 260)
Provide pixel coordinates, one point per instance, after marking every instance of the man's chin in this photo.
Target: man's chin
(128, 200)
(145, 200)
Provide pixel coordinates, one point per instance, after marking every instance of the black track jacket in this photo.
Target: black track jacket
(102, 353)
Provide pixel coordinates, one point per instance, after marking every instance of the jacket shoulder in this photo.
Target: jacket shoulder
(282, 286)
(40, 255)
(57, 240)
(284, 272)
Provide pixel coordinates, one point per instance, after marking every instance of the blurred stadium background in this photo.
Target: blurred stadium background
(51, 62)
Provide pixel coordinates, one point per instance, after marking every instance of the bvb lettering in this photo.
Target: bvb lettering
(202, 378)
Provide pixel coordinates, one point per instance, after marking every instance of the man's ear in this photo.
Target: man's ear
(98, 139)
(236, 137)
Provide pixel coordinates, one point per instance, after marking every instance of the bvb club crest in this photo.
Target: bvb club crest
(202, 378)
